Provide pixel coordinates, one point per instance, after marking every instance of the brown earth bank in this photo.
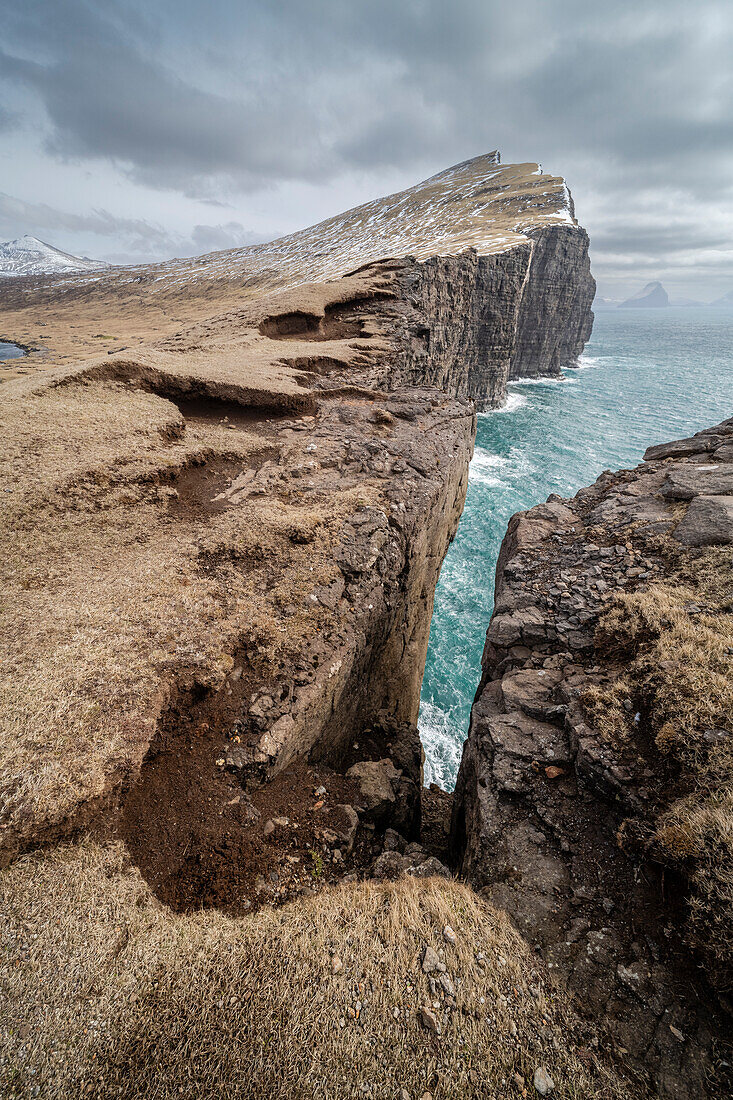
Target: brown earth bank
(220, 547)
(594, 801)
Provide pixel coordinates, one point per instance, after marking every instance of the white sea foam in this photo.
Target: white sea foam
(555, 381)
(483, 467)
(483, 458)
(513, 402)
(442, 740)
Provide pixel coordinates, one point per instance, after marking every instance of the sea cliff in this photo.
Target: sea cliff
(593, 798)
(234, 480)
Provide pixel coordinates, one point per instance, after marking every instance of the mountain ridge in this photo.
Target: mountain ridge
(29, 255)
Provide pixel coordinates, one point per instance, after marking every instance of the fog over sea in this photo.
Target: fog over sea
(646, 376)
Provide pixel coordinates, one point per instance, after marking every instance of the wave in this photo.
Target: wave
(442, 740)
(483, 467)
(484, 459)
(563, 380)
(513, 402)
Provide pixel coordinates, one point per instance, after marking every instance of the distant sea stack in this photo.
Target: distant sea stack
(653, 296)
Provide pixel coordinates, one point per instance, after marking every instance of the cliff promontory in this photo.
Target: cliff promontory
(500, 282)
(228, 487)
(594, 801)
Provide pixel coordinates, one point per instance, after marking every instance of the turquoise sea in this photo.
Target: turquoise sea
(646, 376)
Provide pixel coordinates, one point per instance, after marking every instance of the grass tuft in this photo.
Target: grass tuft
(147, 1003)
(674, 642)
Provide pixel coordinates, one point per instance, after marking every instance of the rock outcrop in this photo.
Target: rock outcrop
(497, 267)
(652, 296)
(555, 316)
(599, 735)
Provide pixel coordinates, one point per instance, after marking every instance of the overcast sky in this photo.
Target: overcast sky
(142, 129)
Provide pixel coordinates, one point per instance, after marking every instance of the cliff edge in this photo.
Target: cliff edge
(593, 802)
(230, 484)
(501, 282)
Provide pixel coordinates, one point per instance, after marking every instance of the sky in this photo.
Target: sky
(135, 130)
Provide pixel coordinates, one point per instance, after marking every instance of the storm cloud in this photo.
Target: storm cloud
(270, 109)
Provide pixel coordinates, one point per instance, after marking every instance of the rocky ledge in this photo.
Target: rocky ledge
(594, 795)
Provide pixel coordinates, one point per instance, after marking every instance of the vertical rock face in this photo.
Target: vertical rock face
(578, 783)
(555, 318)
(480, 321)
(468, 310)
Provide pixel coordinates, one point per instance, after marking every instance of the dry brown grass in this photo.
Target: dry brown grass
(476, 204)
(107, 994)
(104, 594)
(677, 671)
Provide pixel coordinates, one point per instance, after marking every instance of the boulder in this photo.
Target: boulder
(677, 448)
(687, 481)
(344, 821)
(363, 539)
(376, 782)
(531, 690)
(707, 522)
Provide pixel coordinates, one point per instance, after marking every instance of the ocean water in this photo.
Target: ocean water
(646, 376)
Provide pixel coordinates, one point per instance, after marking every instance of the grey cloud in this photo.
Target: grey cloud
(669, 240)
(141, 240)
(629, 100)
(105, 99)
(8, 119)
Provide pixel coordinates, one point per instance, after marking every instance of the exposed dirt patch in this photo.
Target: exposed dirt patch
(341, 321)
(212, 411)
(199, 487)
(437, 808)
(290, 326)
(202, 841)
(316, 364)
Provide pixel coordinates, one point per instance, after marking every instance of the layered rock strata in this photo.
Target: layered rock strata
(555, 318)
(498, 266)
(571, 782)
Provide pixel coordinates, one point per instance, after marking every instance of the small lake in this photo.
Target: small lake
(10, 351)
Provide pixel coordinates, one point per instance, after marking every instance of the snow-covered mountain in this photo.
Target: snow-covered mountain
(29, 256)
